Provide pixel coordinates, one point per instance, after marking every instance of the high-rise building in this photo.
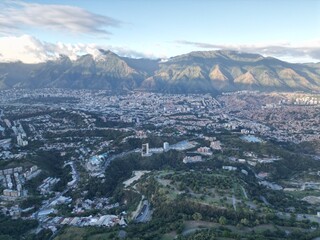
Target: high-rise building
(145, 150)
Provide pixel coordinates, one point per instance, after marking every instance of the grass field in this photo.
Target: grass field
(72, 233)
(206, 195)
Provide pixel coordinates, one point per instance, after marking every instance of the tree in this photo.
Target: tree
(244, 221)
(256, 222)
(197, 216)
(222, 220)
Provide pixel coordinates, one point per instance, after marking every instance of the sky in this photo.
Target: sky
(35, 31)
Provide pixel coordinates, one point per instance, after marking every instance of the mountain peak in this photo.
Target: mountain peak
(106, 52)
(102, 55)
(62, 58)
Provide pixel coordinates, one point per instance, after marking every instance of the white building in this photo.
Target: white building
(215, 145)
(166, 146)
(229, 168)
(194, 159)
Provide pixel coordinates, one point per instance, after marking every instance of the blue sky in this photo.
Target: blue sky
(287, 29)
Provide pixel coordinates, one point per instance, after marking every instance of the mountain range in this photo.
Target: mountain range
(202, 71)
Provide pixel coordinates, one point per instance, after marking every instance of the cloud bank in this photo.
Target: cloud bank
(17, 15)
(28, 49)
(308, 51)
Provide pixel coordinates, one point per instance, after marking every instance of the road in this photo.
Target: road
(234, 202)
(75, 174)
(264, 200)
(47, 206)
(244, 192)
(145, 213)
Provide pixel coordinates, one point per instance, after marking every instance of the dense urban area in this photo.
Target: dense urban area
(94, 164)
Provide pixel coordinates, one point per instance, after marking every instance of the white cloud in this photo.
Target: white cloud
(302, 52)
(16, 15)
(31, 50)
(24, 48)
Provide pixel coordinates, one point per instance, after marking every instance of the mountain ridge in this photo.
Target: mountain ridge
(198, 71)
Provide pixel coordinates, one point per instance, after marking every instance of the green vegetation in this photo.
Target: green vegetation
(89, 233)
(188, 201)
(15, 228)
(122, 168)
(51, 162)
(222, 204)
(65, 177)
(197, 182)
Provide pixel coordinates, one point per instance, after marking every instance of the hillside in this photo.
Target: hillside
(208, 71)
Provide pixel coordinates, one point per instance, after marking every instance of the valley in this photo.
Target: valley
(163, 166)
